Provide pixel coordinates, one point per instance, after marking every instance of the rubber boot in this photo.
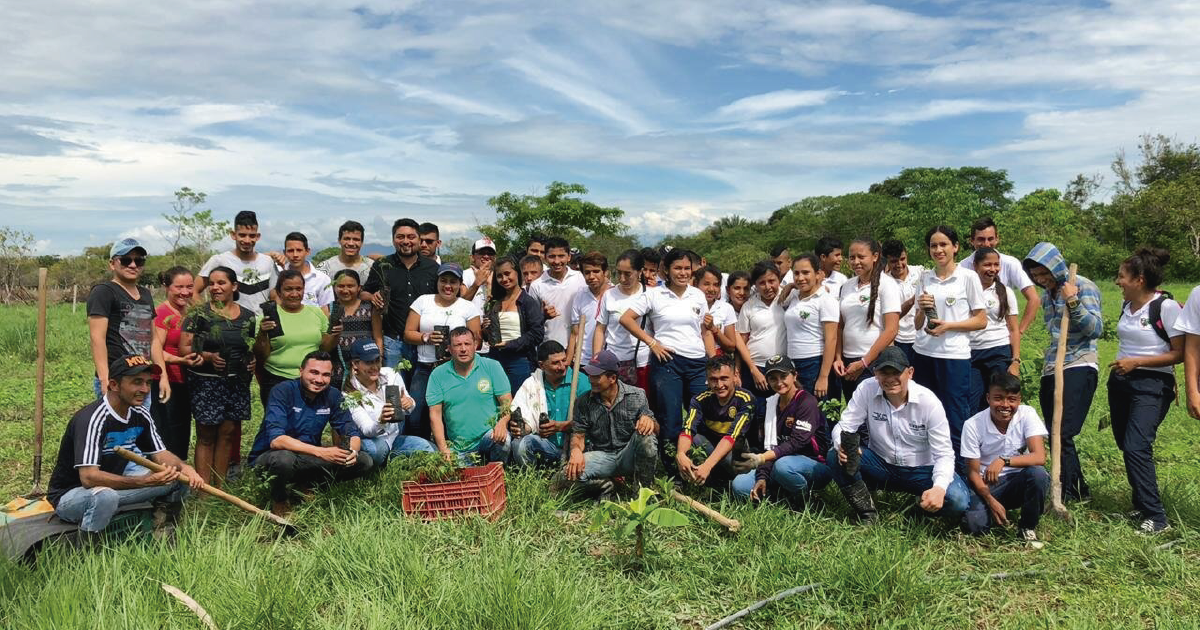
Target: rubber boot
(850, 444)
(859, 497)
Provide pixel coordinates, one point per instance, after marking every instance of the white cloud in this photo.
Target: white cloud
(775, 102)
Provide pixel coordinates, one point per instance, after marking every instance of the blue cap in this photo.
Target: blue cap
(451, 268)
(603, 361)
(364, 349)
(124, 246)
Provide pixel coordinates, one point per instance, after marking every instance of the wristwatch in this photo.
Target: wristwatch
(1007, 461)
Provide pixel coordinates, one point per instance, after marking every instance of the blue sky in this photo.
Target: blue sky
(678, 111)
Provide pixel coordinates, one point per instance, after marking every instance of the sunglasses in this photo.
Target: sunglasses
(429, 241)
(136, 261)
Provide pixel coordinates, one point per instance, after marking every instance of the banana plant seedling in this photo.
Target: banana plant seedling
(635, 515)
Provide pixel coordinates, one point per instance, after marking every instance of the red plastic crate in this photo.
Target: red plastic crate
(480, 491)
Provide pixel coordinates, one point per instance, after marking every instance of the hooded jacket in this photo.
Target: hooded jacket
(1086, 321)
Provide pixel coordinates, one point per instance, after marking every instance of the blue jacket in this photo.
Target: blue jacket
(1086, 321)
(290, 413)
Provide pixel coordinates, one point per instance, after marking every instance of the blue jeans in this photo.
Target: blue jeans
(535, 450)
(418, 417)
(1079, 384)
(488, 451)
(377, 448)
(985, 363)
(1025, 489)
(950, 381)
(394, 349)
(516, 367)
(1139, 402)
(914, 480)
(93, 508)
(638, 459)
(792, 476)
(676, 381)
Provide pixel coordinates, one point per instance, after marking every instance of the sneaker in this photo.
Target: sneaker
(1150, 527)
(1134, 515)
(1030, 536)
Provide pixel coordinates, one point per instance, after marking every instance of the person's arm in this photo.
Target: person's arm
(172, 462)
(891, 325)
(598, 336)
(1014, 342)
(1086, 317)
(907, 305)
(412, 329)
(532, 325)
(683, 443)
(97, 329)
(1191, 373)
(839, 366)
(438, 427)
(377, 327)
(1166, 359)
(630, 321)
(93, 477)
(156, 357)
(828, 356)
(1033, 301)
(575, 460)
(198, 289)
(743, 352)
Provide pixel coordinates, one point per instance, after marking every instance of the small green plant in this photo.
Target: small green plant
(635, 515)
(404, 365)
(352, 398)
(832, 408)
(426, 468)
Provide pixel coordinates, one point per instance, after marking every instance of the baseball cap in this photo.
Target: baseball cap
(779, 363)
(483, 243)
(124, 246)
(891, 357)
(451, 268)
(131, 364)
(364, 350)
(604, 361)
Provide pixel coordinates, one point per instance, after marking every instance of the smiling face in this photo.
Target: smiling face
(367, 371)
(555, 366)
(782, 383)
(897, 265)
(557, 259)
(404, 239)
(506, 275)
(711, 286)
(832, 261)
(942, 250)
(1043, 277)
(1131, 286)
(739, 292)
(180, 292)
(986, 237)
(315, 375)
(128, 268)
(245, 237)
(680, 273)
(346, 289)
(448, 287)
(720, 382)
(350, 243)
(988, 268)
(221, 287)
(806, 278)
(132, 390)
(291, 293)
(862, 260)
(894, 382)
(1003, 404)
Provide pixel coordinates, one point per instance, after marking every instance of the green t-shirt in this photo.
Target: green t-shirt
(302, 333)
(469, 406)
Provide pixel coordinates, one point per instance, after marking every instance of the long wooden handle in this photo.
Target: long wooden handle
(39, 385)
(575, 379)
(732, 525)
(1056, 489)
(220, 494)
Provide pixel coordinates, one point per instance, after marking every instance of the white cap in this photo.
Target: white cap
(482, 243)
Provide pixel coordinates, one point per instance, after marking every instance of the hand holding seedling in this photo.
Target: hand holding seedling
(388, 414)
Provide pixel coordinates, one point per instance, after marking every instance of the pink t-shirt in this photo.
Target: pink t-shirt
(167, 319)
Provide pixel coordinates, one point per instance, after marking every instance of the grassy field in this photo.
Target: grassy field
(360, 564)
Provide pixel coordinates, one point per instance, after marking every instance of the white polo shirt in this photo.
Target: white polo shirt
(764, 325)
(677, 320)
(1188, 322)
(723, 314)
(559, 294)
(955, 298)
(804, 320)
(1137, 338)
(914, 434)
(585, 307)
(1012, 274)
(853, 302)
(996, 333)
(907, 333)
(983, 441)
(432, 314)
(616, 338)
(833, 283)
(318, 288)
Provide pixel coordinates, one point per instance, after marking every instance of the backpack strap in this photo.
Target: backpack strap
(1155, 314)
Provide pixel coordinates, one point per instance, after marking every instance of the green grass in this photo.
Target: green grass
(359, 564)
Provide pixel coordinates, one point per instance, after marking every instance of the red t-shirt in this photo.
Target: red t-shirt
(167, 319)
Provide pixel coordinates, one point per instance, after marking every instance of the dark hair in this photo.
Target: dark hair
(1147, 263)
(714, 364)
(549, 348)
(894, 248)
(633, 256)
(429, 228)
(674, 256)
(232, 275)
(557, 242)
(826, 245)
(699, 274)
(735, 276)
(1001, 293)
(285, 275)
(762, 268)
(697, 261)
(594, 259)
(408, 223)
(459, 331)
(498, 293)
(981, 224)
(777, 250)
(531, 259)
(347, 273)
(245, 218)
(1006, 382)
(536, 237)
(296, 236)
(649, 255)
(876, 272)
(351, 226)
(316, 355)
(812, 259)
(167, 277)
(950, 233)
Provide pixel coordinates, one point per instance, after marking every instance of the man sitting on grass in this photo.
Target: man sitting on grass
(468, 400)
(288, 445)
(718, 417)
(91, 482)
(615, 425)
(1005, 458)
(910, 448)
(545, 395)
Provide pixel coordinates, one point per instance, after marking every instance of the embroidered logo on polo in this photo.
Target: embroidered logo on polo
(951, 300)
(732, 412)
(1144, 322)
(863, 298)
(992, 303)
(805, 314)
(484, 386)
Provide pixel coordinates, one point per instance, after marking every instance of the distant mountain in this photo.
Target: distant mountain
(370, 249)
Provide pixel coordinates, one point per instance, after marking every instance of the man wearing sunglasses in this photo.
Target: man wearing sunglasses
(121, 322)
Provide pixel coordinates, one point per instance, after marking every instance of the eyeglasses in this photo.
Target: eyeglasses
(136, 261)
(429, 241)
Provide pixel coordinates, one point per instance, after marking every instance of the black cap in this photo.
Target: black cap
(130, 365)
(778, 363)
(891, 357)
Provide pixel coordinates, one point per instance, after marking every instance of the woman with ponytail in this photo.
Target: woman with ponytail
(996, 348)
(176, 425)
(1141, 383)
(869, 304)
(950, 305)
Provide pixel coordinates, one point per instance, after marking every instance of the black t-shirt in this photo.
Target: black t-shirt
(406, 286)
(130, 321)
(231, 338)
(91, 439)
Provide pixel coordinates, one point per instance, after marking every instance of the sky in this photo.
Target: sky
(678, 111)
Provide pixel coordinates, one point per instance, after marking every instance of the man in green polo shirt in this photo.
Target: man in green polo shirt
(465, 398)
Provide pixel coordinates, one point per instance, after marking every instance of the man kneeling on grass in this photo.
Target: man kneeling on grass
(543, 401)
(1003, 449)
(468, 400)
(716, 419)
(288, 445)
(91, 482)
(910, 449)
(614, 423)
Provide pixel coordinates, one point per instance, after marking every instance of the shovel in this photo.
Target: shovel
(287, 526)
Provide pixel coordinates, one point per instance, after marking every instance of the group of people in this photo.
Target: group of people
(720, 379)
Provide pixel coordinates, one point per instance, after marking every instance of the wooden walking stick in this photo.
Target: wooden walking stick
(1056, 489)
(220, 494)
(39, 389)
(733, 525)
